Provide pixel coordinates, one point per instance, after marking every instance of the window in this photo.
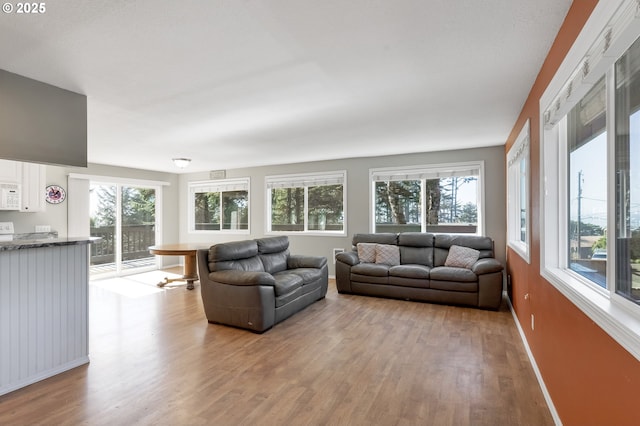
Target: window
(518, 194)
(627, 175)
(309, 203)
(590, 162)
(221, 205)
(442, 198)
(587, 180)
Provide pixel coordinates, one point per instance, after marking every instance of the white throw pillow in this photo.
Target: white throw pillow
(461, 257)
(367, 252)
(387, 254)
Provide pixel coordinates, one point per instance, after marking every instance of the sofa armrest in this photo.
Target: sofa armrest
(247, 278)
(300, 261)
(486, 265)
(348, 257)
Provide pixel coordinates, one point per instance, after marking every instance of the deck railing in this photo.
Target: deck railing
(136, 240)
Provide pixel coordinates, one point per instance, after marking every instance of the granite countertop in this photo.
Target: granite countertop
(44, 242)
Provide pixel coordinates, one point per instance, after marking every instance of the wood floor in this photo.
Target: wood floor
(346, 360)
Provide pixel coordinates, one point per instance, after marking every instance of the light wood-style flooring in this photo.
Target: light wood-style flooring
(346, 360)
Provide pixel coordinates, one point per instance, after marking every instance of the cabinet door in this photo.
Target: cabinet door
(10, 171)
(33, 187)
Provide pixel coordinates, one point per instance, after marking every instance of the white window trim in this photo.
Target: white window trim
(519, 150)
(617, 25)
(304, 180)
(219, 185)
(443, 169)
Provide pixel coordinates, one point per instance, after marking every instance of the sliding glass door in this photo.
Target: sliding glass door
(124, 217)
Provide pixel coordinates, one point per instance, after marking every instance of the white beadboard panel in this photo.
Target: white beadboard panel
(43, 313)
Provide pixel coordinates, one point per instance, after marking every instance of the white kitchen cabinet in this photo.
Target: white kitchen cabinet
(32, 179)
(10, 171)
(33, 187)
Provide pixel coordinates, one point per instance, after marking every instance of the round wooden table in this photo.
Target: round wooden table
(188, 251)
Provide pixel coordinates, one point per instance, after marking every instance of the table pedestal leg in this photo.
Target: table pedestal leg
(190, 273)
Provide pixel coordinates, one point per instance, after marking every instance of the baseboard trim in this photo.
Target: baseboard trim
(536, 370)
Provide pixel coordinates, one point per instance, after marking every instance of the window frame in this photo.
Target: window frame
(590, 58)
(441, 168)
(306, 180)
(519, 151)
(224, 185)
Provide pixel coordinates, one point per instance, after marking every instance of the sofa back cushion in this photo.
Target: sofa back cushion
(382, 238)
(416, 248)
(443, 242)
(274, 253)
(235, 255)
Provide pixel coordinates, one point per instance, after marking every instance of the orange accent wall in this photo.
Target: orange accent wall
(591, 379)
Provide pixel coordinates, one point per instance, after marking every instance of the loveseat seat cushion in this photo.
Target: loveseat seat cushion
(286, 283)
(308, 275)
(240, 278)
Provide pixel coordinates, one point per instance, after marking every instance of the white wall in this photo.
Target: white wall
(358, 216)
(56, 215)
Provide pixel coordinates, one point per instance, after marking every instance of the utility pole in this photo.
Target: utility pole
(579, 211)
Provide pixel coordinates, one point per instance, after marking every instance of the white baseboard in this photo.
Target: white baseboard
(543, 387)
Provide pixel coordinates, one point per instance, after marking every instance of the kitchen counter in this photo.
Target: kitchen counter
(20, 244)
(44, 314)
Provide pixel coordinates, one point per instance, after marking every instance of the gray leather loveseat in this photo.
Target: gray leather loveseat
(423, 269)
(255, 284)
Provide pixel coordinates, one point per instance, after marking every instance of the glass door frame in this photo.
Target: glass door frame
(119, 183)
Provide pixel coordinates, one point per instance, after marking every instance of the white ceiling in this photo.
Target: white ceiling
(237, 83)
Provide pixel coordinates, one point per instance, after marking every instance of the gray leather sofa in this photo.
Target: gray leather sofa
(421, 273)
(255, 284)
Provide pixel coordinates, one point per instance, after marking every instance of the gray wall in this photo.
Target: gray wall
(174, 221)
(41, 123)
(358, 217)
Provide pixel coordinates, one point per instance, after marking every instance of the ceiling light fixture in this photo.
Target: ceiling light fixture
(181, 162)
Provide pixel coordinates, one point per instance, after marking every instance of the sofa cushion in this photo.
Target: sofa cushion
(416, 239)
(367, 252)
(286, 283)
(416, 255)
(387, 254)
(416, 276)
(447, 273)
(371, 269)
(470, 287)
(380, 238)
(442, 243)
(461, 257)
(410, 271)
